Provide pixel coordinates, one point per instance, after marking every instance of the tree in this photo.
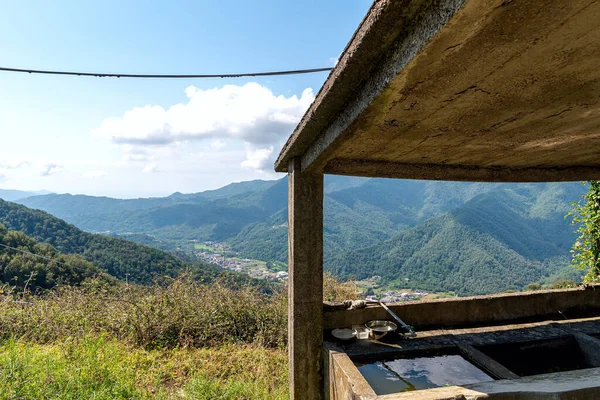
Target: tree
(586, 250)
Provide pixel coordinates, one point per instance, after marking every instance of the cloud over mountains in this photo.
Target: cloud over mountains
(251, 113)
(51, 169)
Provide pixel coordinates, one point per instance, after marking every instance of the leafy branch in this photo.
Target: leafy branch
(586, 250)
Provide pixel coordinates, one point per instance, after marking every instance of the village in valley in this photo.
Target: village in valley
(372, 290)
(218, 253)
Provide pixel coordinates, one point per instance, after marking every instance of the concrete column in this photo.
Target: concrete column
(305, 295)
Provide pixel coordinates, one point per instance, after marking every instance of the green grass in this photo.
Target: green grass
(202, 246)
(181, 340)
(100, 368)
(277, 266)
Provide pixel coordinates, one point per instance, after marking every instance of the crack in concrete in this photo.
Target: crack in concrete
(559, 113)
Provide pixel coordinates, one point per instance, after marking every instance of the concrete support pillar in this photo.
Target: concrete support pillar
(305, 295)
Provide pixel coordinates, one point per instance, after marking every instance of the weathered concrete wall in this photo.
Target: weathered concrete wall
(476, 342)
(590, 347)
(479, 310)
(346, 382)
(343, 380)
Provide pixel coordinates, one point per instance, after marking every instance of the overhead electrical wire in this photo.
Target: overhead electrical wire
(40, 256)
(166, 76)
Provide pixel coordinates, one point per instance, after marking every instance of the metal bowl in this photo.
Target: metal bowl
(378, 328)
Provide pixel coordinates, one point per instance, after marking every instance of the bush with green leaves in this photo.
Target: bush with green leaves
(586, 250)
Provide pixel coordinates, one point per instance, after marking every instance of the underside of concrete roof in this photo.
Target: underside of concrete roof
(479, 90)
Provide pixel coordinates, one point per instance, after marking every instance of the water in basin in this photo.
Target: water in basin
(402, 375)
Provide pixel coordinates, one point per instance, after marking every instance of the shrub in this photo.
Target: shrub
(181, 314)
(333, 289)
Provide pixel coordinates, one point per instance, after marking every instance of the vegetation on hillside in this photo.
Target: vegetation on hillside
(105, 369)
(182, 313)
(513, 234)
(496, 242)
(19, 267)
(182, 340)
(586, 250)
(120, 258)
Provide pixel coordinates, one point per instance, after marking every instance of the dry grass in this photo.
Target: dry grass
(182, 314)
(182, 340)
(333, 289)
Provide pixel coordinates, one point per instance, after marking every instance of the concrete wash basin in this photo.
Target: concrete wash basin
(536, 355)
(424, 371)
(457, 367)
(567, 366)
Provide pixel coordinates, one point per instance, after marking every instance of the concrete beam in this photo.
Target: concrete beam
(384, 169)
(489, 364)
(305, 284)
(453, 84)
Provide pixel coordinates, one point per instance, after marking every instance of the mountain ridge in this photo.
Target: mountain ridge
(526, 220)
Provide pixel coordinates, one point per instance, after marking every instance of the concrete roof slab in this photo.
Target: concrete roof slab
(504, 90)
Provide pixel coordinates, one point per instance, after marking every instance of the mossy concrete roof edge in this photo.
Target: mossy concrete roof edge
(372, 48)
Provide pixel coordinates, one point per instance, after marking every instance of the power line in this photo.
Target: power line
(44, 257)
(166, 76)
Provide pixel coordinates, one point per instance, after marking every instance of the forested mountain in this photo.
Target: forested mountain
(83, 210)
(358, 211)
(365, 219)
(117, 257)
(499, 240)
(19, 268)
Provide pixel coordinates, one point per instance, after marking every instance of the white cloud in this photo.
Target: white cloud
(217, 144)
(94, 174)
(51, 169)
(258, 159)
(2, 177)
(250, 113)
(137, 153)
(14, 164)
(150, 168)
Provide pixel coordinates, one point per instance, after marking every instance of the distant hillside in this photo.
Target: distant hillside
(363, 218)
(497, 241)
(358, 212)
(85, 210)
(52, 268)
(118, 257)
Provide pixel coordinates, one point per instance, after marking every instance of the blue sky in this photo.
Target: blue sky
(137, 138)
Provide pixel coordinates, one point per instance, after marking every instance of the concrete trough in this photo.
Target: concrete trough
(524, 357)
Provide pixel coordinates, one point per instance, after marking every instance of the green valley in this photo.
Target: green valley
(439, 235)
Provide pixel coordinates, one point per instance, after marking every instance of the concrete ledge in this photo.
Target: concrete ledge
(581, 385)
(479, 310)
